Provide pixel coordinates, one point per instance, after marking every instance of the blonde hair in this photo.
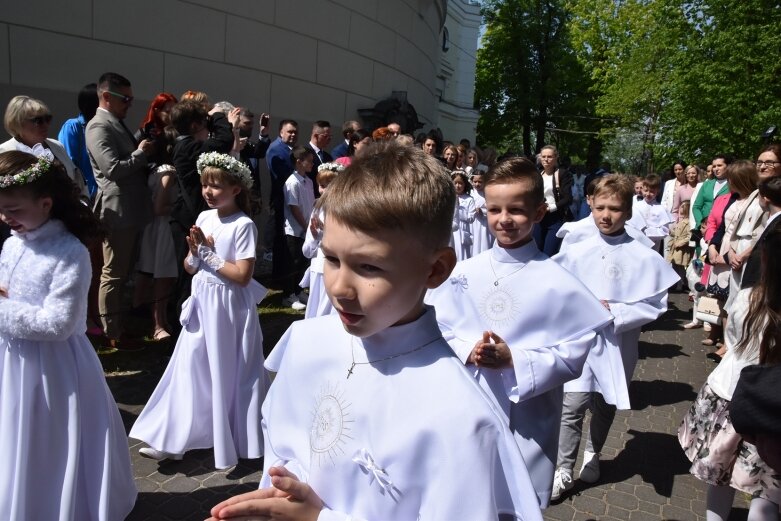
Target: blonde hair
(615, 184)
(19, 109)
(394, 187)
(198, 97)
(213, 173)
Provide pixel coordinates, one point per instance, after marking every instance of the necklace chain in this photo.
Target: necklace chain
(354, 363)
(498, 278)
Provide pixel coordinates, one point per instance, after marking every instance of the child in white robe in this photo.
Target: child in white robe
(211, 392)
(463, 216)
(371, 415)
(318, 303)
(481, 235)
(657, 218)
(631, 280)
(523, 324)
(62, 438)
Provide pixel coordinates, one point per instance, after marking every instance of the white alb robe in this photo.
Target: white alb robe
(463, 218)
(482, 239)
(548, 319)
(657, 220)
(409, 436)
(633, 280)
(576, 231)
(318, 304)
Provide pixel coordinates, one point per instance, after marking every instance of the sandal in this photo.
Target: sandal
(161, 334)
(692, 325)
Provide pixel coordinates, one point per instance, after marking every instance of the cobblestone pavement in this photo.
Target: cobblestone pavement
(644, 472)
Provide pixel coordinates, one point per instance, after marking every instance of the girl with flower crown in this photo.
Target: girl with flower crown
(318, 304)
(211, 392)
(63, 441)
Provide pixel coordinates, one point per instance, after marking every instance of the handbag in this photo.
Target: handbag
(710, 309)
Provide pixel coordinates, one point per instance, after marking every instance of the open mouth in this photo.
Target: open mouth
(349, 318)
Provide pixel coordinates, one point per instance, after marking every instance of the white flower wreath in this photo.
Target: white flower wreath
(228, 164)
(28, 175)
(333, 167)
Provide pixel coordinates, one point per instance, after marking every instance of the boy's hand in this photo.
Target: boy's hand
(606, 304)
(3, 293)
(288, 499)
(492, 351)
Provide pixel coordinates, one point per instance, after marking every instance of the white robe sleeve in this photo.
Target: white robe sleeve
(636, 314)
(538, 370)
(55, 318)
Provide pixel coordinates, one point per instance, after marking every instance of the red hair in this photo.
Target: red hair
(157, 103)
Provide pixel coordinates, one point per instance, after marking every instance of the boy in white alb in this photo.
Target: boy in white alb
(657, 218)
(371, 415)
(576, 231)
(631, 280)
(521, 323)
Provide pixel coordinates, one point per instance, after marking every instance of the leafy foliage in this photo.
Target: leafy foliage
(659, 79)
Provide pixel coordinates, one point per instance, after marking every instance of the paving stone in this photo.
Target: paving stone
(621, 499)
(590, 505)
(181, 484)
(678, 514)
(617, 512)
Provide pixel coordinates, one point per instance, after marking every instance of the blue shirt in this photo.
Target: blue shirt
(72, 138)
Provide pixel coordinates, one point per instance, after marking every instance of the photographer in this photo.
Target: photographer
(199, 132)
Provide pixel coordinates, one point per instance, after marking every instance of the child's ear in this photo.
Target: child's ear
(444, 260)
(47, 203)
(540, 212)
(236, 189)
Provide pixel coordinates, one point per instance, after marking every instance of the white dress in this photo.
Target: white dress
(634, 280)
(548, 319)
(318, 304)
(482, 239)
(410, 436)
(156, 252)
(463, 218)
(61, 435)
(211, 392)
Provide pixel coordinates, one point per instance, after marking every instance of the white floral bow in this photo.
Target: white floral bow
(37, 150)
(460, 281)
(365, 460)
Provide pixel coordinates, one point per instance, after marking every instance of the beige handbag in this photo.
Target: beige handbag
(710, 309)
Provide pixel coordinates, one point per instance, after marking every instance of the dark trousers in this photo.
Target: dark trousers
(298, 264)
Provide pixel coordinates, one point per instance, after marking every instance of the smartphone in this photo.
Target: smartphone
(264, 120)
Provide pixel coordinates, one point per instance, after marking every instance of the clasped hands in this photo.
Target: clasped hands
(491, 351)
(202, 248)
(288, 499)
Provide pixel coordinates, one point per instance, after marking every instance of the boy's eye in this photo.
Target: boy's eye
(370, 268)
(330, 259)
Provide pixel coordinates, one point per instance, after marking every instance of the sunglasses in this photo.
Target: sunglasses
(122, 97)
(41, 120)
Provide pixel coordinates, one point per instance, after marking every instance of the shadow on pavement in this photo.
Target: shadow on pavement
(187, 506)
(659, 392)
(656, 457)
(647, 350)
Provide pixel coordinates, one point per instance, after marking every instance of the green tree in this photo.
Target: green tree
(727, 86)
(529, 82)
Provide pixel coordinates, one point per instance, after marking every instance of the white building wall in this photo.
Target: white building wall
(299, 59)
(456, 77)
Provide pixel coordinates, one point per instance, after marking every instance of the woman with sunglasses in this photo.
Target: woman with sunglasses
(27, 120)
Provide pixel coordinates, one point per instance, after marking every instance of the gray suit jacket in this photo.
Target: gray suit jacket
(123, 199)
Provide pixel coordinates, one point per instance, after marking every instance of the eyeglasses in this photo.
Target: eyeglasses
(41, 120)
(769, 164)
(122, 97)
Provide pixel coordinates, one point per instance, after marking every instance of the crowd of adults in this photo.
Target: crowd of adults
(143, 184)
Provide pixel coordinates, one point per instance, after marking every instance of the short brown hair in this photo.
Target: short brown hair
(652, 181)
(615, 184)
(517, 170)
(394, 187)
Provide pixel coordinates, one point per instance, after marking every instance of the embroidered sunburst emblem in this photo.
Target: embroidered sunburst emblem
(331, 424)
